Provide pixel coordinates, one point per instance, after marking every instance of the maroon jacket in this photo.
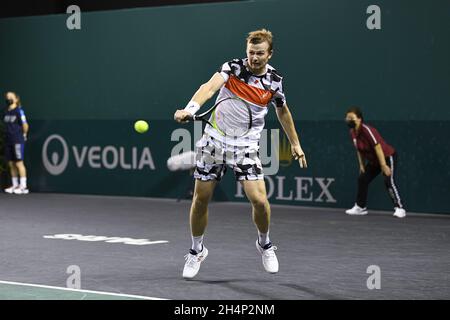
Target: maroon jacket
(365, 141)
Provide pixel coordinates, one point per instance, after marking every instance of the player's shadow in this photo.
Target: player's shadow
(238, 285)
(216, 281)
(311, 291)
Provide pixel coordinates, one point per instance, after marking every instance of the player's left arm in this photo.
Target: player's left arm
(382, 160)
(25, 128)
(285, 118)
(24, 123)
(374, 138)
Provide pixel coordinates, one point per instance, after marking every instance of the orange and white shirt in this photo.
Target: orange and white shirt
(259, 91)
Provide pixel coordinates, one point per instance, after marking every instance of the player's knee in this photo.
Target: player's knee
(259, 203)
(200, 200)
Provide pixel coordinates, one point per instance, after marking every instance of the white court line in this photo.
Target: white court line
(80, 290)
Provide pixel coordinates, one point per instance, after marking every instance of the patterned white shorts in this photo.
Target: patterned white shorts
(213, 157)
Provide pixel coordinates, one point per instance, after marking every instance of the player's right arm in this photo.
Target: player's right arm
(360, 162)
(203, 94)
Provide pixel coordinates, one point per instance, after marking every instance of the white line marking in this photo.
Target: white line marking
(80, 290)
(91, 238)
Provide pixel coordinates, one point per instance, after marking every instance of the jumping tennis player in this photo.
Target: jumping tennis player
(16, 134)
(260, 85)
(374, 156)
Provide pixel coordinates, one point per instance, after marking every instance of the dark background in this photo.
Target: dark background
(42, 7)
(90, 85)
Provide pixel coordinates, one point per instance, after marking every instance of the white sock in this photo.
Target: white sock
(15, 182)
(263, 238)
(197, 243)
(23, 182)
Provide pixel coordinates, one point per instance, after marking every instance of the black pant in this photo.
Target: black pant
(373, 170)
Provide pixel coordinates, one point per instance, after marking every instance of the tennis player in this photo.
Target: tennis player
(16, 134)
(374, 156)
(255, 81)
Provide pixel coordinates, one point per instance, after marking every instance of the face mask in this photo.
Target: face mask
(9, 102)
(351, 124)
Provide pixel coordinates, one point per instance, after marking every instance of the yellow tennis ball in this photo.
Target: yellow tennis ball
(141, 126)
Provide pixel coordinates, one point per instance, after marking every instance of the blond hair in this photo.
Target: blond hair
(260, 36)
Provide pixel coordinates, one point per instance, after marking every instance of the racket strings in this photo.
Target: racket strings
(233, 117)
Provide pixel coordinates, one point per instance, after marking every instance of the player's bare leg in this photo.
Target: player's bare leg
(203, 192)
(14, 177)
(22, 171)
(13, 169)
(256, 193)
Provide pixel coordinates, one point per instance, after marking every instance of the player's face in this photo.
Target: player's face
(352, 117)
(10, 96)
(258, 56)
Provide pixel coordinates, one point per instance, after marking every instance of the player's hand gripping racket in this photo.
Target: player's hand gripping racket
(231, 117)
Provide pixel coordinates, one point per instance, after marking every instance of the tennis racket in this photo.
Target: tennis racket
(231, 117)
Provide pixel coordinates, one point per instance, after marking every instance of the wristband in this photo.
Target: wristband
(192, 107)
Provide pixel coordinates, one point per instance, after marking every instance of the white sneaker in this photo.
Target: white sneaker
(269, 258)
(356, 211)
(21, 190)
(193, 262)
(399, 213)
(11, 189)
